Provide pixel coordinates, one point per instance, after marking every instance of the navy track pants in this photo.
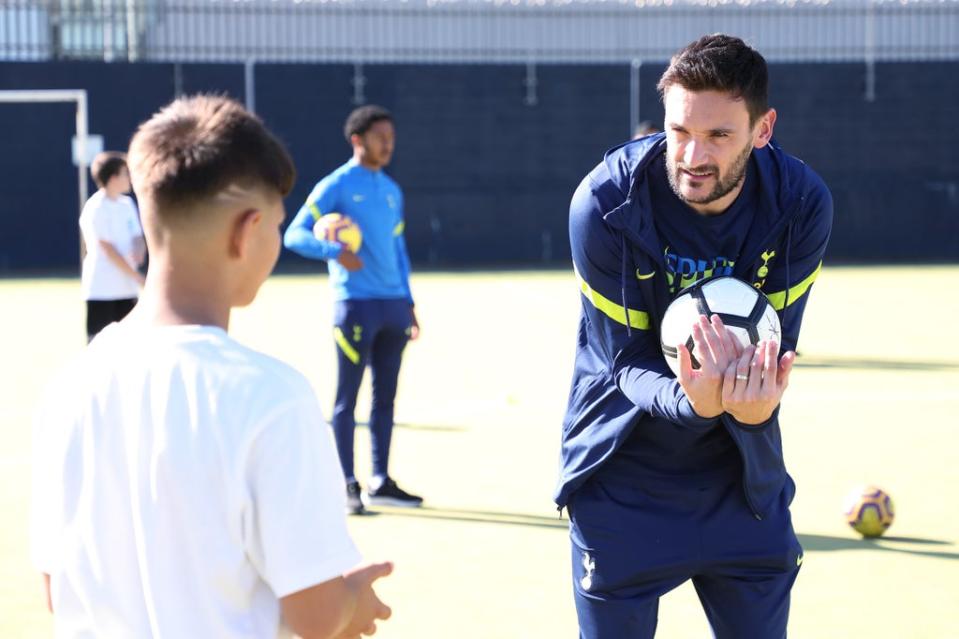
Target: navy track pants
(374, 333)
(632, 542)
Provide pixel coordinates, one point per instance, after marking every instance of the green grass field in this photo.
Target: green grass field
(875, 399)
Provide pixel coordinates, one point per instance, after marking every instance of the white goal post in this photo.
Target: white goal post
(62, 95)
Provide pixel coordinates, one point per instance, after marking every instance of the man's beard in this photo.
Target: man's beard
(724, 184)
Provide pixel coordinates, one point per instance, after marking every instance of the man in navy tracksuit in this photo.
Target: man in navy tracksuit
(374, 316)
(668, 479)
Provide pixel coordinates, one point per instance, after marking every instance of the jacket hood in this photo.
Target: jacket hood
(626, 165)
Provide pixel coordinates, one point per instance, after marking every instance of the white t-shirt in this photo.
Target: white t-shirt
(115, 221)
(182, 484)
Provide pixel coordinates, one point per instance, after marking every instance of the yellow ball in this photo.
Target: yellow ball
(870, 511)
(339, 228)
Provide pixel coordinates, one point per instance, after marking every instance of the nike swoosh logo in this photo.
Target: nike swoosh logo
(646, 276)
(358, 198)
(799, 560)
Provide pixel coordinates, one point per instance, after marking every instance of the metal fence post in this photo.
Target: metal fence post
(870, 52)
(359, 84)
(249, 85)
(634, 92)
(530, 82)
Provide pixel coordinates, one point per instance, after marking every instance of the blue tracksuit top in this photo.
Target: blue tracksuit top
(620, 379)
(375, 202)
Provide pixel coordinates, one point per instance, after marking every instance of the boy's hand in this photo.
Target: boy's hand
(369, 608)
(755, 383)
(414, 325)
(716, 348)
(138, 254)
(350, 260)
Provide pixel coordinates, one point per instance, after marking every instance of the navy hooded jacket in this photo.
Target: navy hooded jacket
(621, 380)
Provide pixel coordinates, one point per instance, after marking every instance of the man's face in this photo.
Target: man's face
(378, 143)
(708, 143)
(120, 182)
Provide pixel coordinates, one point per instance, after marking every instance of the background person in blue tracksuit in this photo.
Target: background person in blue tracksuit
(374, 316)
(667, 479)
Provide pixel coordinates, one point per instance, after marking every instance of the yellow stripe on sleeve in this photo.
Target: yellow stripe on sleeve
(345, 345)
(315, 211)
(616, 312)
(778, 300)
(399, 228)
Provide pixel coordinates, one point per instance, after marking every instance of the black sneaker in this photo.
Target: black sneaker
(389, 494)
(354, 501)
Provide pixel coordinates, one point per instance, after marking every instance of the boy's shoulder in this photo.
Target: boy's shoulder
(128, 202)
(198, 352)
(266, 368)
(198, 371)
(331, 181)
(340, 174)
(93, 203)
(392, 182)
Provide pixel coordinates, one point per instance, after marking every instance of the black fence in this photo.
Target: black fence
(488, 172)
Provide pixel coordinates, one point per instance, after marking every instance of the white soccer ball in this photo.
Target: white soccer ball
(745, 310)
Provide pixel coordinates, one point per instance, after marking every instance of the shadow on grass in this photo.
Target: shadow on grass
(480, 516)
(423, 427)
(366, 513)
(810, 543)
(874, 364)
(827, 543)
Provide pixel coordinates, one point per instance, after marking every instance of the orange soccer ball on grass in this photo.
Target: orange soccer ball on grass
(869, 511)
(339, 228)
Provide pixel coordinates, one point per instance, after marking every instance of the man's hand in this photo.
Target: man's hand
(350, 260)
(716, 348)
(369, 608)
(755, 383)
(414, 325)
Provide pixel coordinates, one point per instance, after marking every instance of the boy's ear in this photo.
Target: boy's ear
(243, 231)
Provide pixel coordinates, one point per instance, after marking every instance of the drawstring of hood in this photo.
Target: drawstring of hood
(789, 241)
(622, 285)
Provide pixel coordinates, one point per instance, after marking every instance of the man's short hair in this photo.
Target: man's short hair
(362, 118)
(106, 165)
(197, 146)
(644, 128)
(721, 63)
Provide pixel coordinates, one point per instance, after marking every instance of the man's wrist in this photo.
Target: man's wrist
(757, 427)
(689, 416)
(705, 411)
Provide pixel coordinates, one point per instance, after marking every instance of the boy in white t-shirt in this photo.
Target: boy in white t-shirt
(114, 245)
(185, 485)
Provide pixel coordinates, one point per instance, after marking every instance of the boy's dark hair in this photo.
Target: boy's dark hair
(197, 146)
(106, 165)
(362, 118)
(721, 63)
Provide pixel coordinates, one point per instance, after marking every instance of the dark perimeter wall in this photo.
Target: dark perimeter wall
(487, 171)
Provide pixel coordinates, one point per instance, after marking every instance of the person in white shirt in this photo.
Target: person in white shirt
(114, 245)
(185, 485)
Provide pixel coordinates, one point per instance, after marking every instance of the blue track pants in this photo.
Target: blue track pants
(374, 333)
(634, 541)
